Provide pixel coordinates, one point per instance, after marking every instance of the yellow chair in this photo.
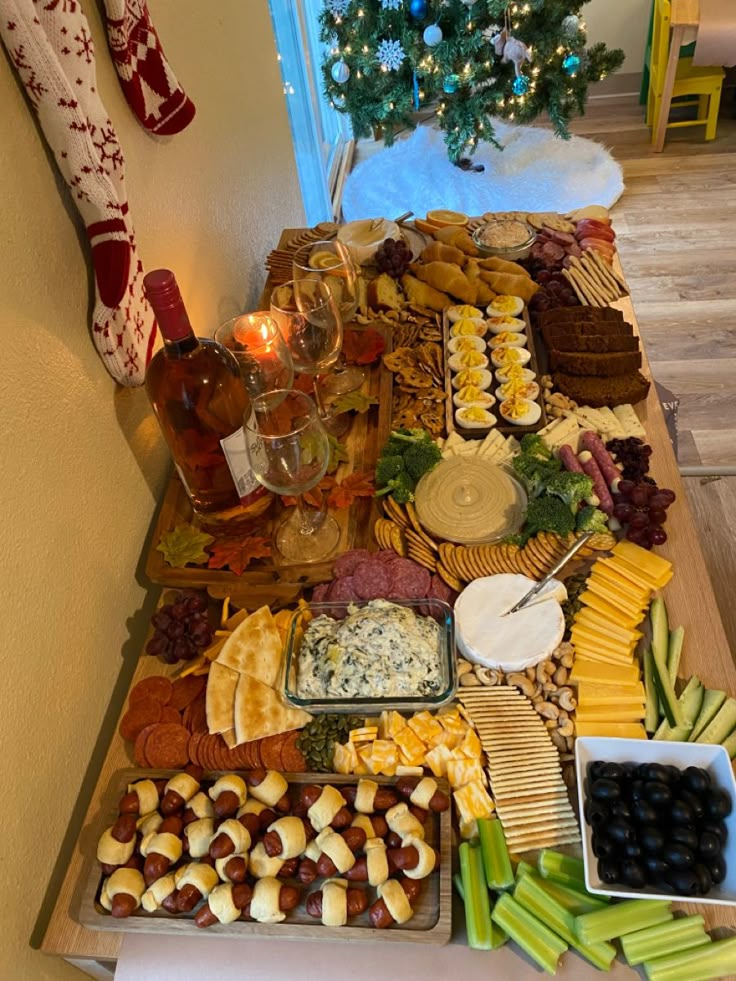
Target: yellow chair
(705, 83)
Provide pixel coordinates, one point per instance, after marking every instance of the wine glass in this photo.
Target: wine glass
(260, 350)
(289, 452)
(331, 262)
(310, 322)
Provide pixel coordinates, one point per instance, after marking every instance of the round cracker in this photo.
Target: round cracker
(448, 577)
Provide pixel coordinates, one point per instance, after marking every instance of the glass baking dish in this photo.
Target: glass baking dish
(370, 705)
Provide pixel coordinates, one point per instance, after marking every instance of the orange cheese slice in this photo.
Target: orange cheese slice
(600, 673)
(622, 730)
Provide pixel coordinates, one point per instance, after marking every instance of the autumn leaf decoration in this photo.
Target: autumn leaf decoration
(314, 496)
(353, 402)
(236, 554)
(338, 453)
(184, 545)
(362, 346)
(357, 484)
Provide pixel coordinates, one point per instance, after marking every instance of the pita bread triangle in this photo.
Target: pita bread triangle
(260, 712)
(221, 685)
(254, 648)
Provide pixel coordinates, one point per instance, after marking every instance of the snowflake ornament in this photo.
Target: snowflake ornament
(391, 4)
(338, 8)
(390, 54)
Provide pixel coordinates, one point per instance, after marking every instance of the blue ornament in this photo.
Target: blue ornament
(571, 64)
(418, 9)
(520, 85)
(450, 84)
(340, 72)
(432, 35)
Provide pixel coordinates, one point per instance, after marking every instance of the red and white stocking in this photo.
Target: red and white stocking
(49, 44)
(149, 84)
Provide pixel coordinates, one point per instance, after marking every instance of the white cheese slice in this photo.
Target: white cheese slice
(565, 431)
(515, 641)
(627, 417)
(615, 429)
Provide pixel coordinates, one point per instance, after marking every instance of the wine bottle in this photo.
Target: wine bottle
(197, 394)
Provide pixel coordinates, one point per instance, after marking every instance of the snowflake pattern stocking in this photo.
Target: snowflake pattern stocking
(149, 84)
(49, 44)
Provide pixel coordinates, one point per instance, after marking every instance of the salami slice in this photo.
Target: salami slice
(143, 713)
(343, 590)
(185, 690)
(372, 580)
(410, 580)
(158, 687)
(386, 555)
(319, 593)
(347, 563)
(167, 746)
(438, 589)
(169, 714)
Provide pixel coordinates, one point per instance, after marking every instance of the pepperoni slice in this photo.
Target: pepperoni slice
(271, 751)
(167, 746)
(143, 713)
(185, 690)
(193, 749)
(169, 714)
(292, 760)
(139, 750)
(158, 687)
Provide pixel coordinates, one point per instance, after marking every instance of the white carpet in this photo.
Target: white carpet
(534, 172)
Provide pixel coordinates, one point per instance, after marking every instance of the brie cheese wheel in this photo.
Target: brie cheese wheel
(518, 640)
(467, 359)
(468, 342)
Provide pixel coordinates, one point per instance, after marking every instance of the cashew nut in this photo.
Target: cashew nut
(562, 716)
(558, 740)
(463, 667)
(550, 723)
(567, 659)
(570, 740)
(566, 700)
(560, 675)
(469, 679)
(484, 675)
(524, 684)
(548, 710)
(531, 674)
(550, 687)
(567, 728)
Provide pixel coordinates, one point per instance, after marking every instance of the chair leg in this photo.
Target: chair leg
(703, 102)
(656, 109)
(715, 101)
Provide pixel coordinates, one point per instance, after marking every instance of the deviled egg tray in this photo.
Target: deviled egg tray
(490, 377)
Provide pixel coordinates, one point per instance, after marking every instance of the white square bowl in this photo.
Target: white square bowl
(714, 759)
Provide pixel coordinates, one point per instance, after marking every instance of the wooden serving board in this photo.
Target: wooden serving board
(269, 580)
(502, 426)
(431, 923)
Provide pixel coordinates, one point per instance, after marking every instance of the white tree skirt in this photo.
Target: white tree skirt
(535, 171)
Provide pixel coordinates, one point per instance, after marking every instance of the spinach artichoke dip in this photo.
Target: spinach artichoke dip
(380, 649)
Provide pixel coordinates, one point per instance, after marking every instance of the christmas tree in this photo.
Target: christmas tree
(469, 60)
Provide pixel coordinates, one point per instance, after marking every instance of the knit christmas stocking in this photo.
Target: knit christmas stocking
(49, 44)
(149, 84)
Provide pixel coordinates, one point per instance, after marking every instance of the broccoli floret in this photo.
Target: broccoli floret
(400, 439)
(572, 488)
(532, 444)
(548, 513)
(534, 472)
(421, 457)
(387, 468)
(402, 488)
(591, 519)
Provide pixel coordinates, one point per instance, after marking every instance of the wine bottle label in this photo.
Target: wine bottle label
(233, 447)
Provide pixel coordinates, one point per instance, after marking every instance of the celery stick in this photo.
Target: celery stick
(626, 917)
(667, 938)
(523, 868)
(534, 938)
(496, 861)
(457, 881)
(561, 868)
(477, 903)
(570, 899)
(713, 960)
(498, 936)
(530, 892)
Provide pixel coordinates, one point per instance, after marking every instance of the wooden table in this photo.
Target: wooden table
(685, 14)
(690, 602)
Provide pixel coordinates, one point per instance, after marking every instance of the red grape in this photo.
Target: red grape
(639, 496)
(669, 494)
(639, 520)
(625, 487)
(657, 516)
(637, 535)
(658, 535)
(181, 628)
(622, 512)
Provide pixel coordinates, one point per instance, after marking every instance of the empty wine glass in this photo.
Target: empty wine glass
(289, 452)
(331, 263)
(260, 350)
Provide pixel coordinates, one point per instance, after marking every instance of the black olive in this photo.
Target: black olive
(656, 867)
(651, 839)
(620, 831)
(696, 779)
(643, 812)
(680, 812)
(612, 771)
(718, 804)
(658, 794)
(678, 856)
(695, 802)
(629, 770)
(717, 869)
(685, 835)
(683, 881)
(620, 809)
(709, 845)
(605, 790)
(608, 871)
(675, 774)
(633, 874)
(717, 828)
(594, 770)
(703, 876)
(642, 770)
(657, 773)
(603, 847)
(596, 813)
(636, 790)
(632, 849)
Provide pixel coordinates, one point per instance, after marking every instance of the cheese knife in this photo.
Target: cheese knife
(574, 548)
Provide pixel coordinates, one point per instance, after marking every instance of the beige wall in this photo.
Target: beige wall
(82, 462)
(621, 24)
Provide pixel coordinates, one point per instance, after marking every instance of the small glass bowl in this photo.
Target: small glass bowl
(511, 252)
(440, 611)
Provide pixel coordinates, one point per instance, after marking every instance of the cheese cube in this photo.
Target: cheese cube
(470, 747)
(363, 735)
(460, 772)
(411, 747)
(425, 727)
(437, 760)
(365, 755)
(409, 771)
(345, 758)
(395, 723)
(472, 801)
(385, 757)
(447, 738)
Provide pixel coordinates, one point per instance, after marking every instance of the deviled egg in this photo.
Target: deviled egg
(500, 324)
(474, 417)
(469, 325)
(510, 306)
(479, 377)
(514, 371)
(520, 411)
(468, 342)
(507, 338)
(516, 388)
(467, 359)
(463, 311)
(503, 356)
(472, 395)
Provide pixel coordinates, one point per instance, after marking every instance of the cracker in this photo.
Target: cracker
(451, 580)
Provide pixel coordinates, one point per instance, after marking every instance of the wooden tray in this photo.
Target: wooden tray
(269, 580)
(431, 923)
(502, 426)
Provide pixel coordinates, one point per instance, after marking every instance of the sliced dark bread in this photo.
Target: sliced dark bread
(593, 343)
(596, 314)
(619, 390)
(600, 365)
(583, 328)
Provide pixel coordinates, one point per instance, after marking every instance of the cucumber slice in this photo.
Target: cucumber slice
(722, 725)
(651, 718)
(674, 651)
(690, 700)
(660, 643)
(729, 744)
(712, 701)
